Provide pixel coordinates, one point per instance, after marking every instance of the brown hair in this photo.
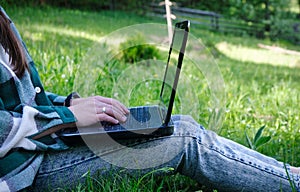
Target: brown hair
(12, 46)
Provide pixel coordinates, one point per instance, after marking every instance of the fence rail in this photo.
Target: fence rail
(208, 19)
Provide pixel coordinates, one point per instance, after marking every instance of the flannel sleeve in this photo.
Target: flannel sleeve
(57, 100)
(21, 130)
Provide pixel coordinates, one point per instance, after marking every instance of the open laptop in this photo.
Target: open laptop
(146, 121)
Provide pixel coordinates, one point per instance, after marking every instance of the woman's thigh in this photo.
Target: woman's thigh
(135, 156)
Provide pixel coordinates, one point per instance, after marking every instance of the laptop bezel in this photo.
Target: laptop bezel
(184, 25)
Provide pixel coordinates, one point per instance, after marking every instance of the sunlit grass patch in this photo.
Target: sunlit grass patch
(258, 55)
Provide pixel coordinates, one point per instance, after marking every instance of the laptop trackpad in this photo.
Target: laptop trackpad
(143, 117)
(142, 114)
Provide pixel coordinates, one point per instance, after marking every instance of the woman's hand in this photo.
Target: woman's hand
(94, 109)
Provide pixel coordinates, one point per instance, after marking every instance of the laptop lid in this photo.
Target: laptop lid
(172, 71)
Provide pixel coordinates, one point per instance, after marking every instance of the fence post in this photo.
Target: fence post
(217, 22)
(169, 17)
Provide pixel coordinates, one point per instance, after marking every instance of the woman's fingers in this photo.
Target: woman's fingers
(111, 111)
(107, 118)
(121, 107)
(95, 109)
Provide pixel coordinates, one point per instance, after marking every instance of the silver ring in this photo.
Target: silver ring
(103, 110)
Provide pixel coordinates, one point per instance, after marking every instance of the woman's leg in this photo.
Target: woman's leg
(193, 151)
(229, 166)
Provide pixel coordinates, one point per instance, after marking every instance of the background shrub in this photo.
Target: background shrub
(135, 49)
(286, 29)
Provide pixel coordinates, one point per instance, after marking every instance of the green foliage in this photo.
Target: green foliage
(132, 5)
(272, 15)
(286, 29)
(120, 180)
(249, 10)
(258, 140)
(135, 49)
(86, 4)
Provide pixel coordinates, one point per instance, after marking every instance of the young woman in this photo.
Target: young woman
(32, 156)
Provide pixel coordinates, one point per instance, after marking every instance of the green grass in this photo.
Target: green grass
(262, 86)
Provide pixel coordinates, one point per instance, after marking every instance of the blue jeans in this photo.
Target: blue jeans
(192, 151)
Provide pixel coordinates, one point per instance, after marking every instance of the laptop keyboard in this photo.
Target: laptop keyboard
(139, 117)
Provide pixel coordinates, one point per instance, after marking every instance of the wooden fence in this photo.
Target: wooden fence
(208, 19)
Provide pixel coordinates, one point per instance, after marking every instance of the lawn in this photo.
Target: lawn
(261, 83)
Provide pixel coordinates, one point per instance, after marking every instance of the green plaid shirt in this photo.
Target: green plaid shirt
(25, 111)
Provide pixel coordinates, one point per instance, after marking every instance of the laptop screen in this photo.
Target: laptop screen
(173, 67)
